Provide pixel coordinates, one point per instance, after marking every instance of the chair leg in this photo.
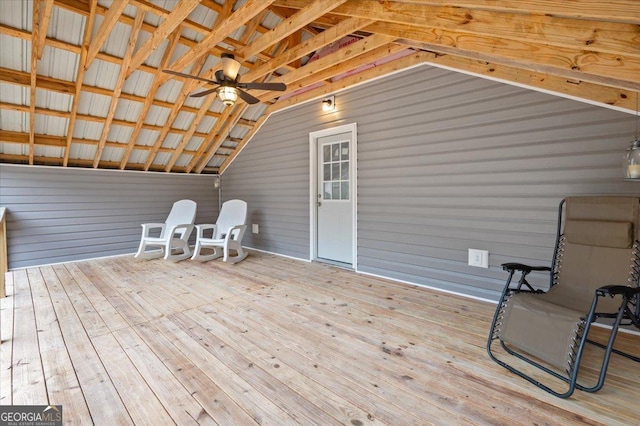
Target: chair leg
(197, 253)
(181, 245)
(238, 257)
(153, 254)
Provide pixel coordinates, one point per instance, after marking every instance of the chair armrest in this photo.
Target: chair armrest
(240, 233)
(204, 227)
(187, 228)
(514, 267)
(523, 268)
(614, 290)
(147, 227)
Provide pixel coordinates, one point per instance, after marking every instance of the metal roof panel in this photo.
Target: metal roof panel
(14, 121)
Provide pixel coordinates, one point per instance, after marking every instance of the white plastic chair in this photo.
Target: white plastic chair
(226, 234)
(174, 233)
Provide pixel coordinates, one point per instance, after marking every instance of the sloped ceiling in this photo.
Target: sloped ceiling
(81, 81)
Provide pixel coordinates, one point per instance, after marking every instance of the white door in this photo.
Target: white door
(335, 198)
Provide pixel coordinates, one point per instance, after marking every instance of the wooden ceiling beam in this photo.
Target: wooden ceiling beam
(60, 141)
(35, 36)
(23, 138)
(217, 138)
(599, 68)
(62, 86)
(359, 61)
(186, 89)
(148, 102)
(247, 11)
(577, 34)
(384, 69)
(170, 23)
(627, 11)
(97, 119)
(355, 49)
(190, 132)
(599, 94)
(324, 22)
(69, 47)
(45, 11)
(346, 27)
(133, 38)
(109, 21)
(289, 26)
(225, 12)
(79, 79)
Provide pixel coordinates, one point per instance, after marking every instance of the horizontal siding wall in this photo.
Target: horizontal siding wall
(446, 162)
(62, 214)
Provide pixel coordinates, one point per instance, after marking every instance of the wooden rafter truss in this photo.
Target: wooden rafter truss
(586, 49)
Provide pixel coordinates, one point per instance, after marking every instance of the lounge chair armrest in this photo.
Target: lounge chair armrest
(522, 267)
(613, 290)
(524, 270)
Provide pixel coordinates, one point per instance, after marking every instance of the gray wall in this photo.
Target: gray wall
(61, 214)
(446, 162)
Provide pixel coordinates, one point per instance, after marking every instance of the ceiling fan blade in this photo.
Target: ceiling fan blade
(247, 97)
(195, 77)
(280, 87)
(203, 93)
(230, 66)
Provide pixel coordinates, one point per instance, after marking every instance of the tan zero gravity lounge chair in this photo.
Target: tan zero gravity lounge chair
(226, 234)
(595, 274)
(174, 234)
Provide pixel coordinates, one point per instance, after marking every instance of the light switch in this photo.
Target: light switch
(479, 258)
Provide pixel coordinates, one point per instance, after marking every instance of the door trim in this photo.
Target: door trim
(313, 186)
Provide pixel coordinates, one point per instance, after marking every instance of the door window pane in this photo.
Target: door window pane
(344, 170)
(327, 172)
(336, 191)
(326, 153)
(327, 191)
(345, 191)
(335, 148)
(345, 151)
(335, 171)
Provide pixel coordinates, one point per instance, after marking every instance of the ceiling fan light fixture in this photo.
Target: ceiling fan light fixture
(227, 95)
(230, 66)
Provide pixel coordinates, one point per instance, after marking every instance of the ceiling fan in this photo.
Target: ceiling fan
(229, 88)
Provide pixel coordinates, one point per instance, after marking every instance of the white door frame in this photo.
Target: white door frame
(313, 185)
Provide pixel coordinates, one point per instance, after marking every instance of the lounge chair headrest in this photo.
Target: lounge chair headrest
(599, 233)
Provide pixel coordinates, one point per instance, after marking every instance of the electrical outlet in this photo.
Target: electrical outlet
(479, 258)
(255, 228)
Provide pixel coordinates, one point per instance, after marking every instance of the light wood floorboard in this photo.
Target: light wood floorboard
(271, 341)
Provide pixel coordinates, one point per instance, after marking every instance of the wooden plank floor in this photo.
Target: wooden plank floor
(268, 341)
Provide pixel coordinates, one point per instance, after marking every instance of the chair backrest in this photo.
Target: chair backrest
(597, 247)
(182, 212)
(233, 213)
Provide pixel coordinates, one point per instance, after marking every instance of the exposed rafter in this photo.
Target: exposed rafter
(133, 37)
(583, 49)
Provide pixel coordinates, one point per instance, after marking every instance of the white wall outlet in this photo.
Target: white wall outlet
(255, 228)
(479, 258)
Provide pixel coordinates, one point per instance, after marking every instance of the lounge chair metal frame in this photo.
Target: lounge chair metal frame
(628, 313)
